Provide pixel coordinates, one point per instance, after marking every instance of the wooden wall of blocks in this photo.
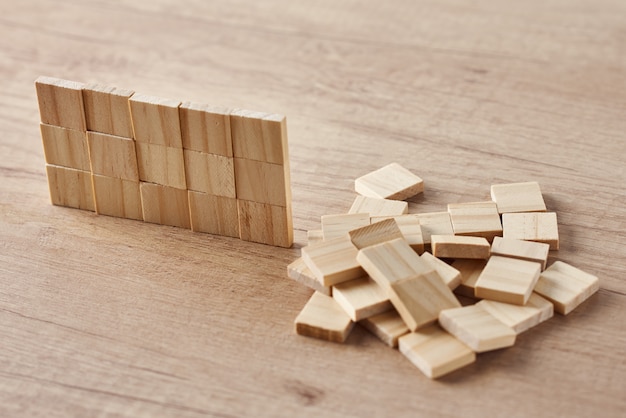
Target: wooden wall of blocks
(189, 165)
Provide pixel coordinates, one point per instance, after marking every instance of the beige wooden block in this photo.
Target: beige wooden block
(566, 286)
(265, 223)
(361, 298)
(523, 250)
(262, 182)
(113, 156)
(507, 280)
(213, 214)
(65, 147)
(389, 182)
(477, 328)
(206, 129)
(210, 173)
(435, 352)
(533, 226)
(480, 219)
(314, 235)
(518, 197)
(365, 236)
(409, 227)
(378, 207)
(434, 223)
(155, 120)
(520, 318)
(387, 326)
(301, 273)
(259, 136)
(107, 110)
(161, 165)
(457, 246)
(334, 226)
(450, 276)
(61, 103)
(165, 205)
(323, 318)
(333, 261)
(470, 271)
(70, 187)
(117, 197)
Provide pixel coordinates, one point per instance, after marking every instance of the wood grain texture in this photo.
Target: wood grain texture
(113, 156)
(107, 110)
(65, 147)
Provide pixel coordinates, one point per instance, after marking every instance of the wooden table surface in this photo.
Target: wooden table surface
(109, 317)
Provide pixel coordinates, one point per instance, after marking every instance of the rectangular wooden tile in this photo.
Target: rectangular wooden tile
(301, 273)
(457, 246)
(518, 197)
(262, 182)
(70, 187)
(480, 219)
(323, 318)
(117, 197)
(523, 250)
(107, 110)
(206, 129)
(61, 103)
(361, 298)
(210, 173)
(265, 223)
(65, 147)
(155, 120)
(409, 227)
(520, 318)
(335, 226)
(113, 156)
(450, 276)
(470, 271)
(566, 286)
(333, 261)
(161, 165)
(378, 207)
(365, 236)
(533, 226)
(389, 182)
(387, 326)
(213, 214)
(507, 280)
(165, 205)
(314, 235)
(259, 136)
(434, 223)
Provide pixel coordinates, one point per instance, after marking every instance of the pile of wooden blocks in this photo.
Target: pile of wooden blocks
(371, 266)
(189, 165)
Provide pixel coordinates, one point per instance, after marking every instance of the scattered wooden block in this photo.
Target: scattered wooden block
(434, 223)
(470, 271)
(523, 250)
(435, 352)
(507, 280)
(533, 226)
(518, 197)
(155, 120)
(314, 235)
(520, 318)
(113, 156)
(361, 298)
(379, 207)
(161, 165)
(333, 261)
(107, 110)
(262, 182)
(165, 205)
(455, 246)
(387, 326)
(117, 197)
(65, 147)
(566, 286)
(213, 214)
(210, 173)
(389, 182)
(410, 228)
(334, 226)
(450, 276)
(259, 136)
(323, 318)
(61, 103)
(206, 129)
(480, 219)
(477, 328)
(70, 187)
(300, 272)
(365, 236)
(265, 223)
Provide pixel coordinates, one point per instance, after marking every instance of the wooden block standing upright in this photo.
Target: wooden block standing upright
(213, 214)
(261, 182)
(520, 318)
(470, 271)
(533, 226)
(113, 156)
(333, 261)
(387, 326)
(161, 165)
(300, 272)
(259, 136)
(456, 246)
(507, 280)
(117, 197)
(523, 250)
(334, 226)
(155, 120)
(566, 286)
(206, 129)
(61, 103)
(434, 223)
(107, 111)
(211, 173)
(361, 298)
(70, 187)
(365, 236)
(265, 223)
(389, 182)
(65, 147)
(450, 276)
(379, 207)
(323, 318)
(480, 219)
(518, 197)
(165, 205)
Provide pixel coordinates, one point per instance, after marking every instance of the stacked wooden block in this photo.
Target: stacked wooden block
(371, 266)
(188, 165)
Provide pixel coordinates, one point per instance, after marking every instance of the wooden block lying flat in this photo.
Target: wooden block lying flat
(409, 227)
(334, 226)
(259, 136)
(379, 207)
(435, 352)
(361, 298)
(534, 226)
(387, 326)
(65, 147)
(470, 271)
(314, 235)
(450, 276)
(213, 214)
(523, 250)
(389, 182)
(480, 219)
(165, 205)
(117, 197)
(107, 111)
(566, 286)
(333, 261)
(365, 236)
(518, 197)
(206, 129)
(113, 156)
(477, 328)
(70, 187)
(265, 223)
(434, 223)
(210, 173)
(507, 280)
(455, 246)
(300, 272)
(323, 318)
(61, 103)
(155, 120)
(520, 318)
(262, 182)
(161, 165)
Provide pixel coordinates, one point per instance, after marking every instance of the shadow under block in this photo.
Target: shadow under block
(155, 120)
(165, 205)
(361, 298)
(61, 103)
(106, 110)
(262, 182)
(520, 318)
(161, 165)
(518, 197)
(435, 352)
(523, 250)
(65, 147)
(206, 129)
(377, 233)
(323, 318)
(477, 328)
(70, 187)
(113, 156)
(333, 261)
(434, 223)
(389, 182)
(300, 272)
(117, 197)
(387, 326)
(470, 271)
(458, 246)
(259, 136)
(265, 223)
(213, 214)
(480, 219)
(566, 286)
(210, 173)
(335, 226)
(507, 280)
(532, 226)
(378, 207)
(450, 276)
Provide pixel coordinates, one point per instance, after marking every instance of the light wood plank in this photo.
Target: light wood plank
(361, 298)
(265, 223)
(206, 128)
(323, 318)
(107, 110)
(335, 226)
(378, 207)
(387, 326)
(389, 182)
(155, 120)
(113, 156)
(434, 223)
(333, 261)
(566, 286)
(507, 280)
(411, 230)
(523, 250)
(161, 165)
(165, 205)
(61, 102)
(65, 147)
(450, 276)
(117, 197)
(455, 246)
(262, 182)
(210, 173)
(518, 197)
(301, 273)
(377, 233)
(213, 214)
(70, 187)
(470, 271)
(259, 136)
(520, 318)
(479, 219)
(534, 226)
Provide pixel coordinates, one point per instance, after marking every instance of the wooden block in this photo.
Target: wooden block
(113, 156)
(566, 286)
(450, 276)
(379, 207)
(262, 182)
(534, 226)
(389, 182)
(507, 280)
(334, 226)
(520, 318)
(387, 326)
(518, 197)
(455, 246)
(61, 103)
(213, 214)
(70, 187)
(361, 298)
(65, 147)
(410, 228)
(333, 261)
(365, 236)
(206, 129)
(165, 205)
(155, 120)
(300, 272)
(323, 318)
(435, 352)
(265, 223)
(314, 235)
(161, 165)
(259, 136)
(107, 110)
(434, 223)
(117, 197)
(210, 173)
(523, 250)
(470, 271)
(480, 219)
(477, 328)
